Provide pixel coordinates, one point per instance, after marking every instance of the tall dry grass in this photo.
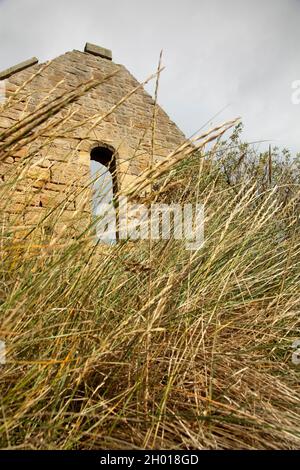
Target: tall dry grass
(144, 345)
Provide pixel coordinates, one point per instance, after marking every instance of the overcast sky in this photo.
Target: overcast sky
(242, 55)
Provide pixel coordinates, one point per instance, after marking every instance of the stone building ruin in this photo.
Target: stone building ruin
(60, 116)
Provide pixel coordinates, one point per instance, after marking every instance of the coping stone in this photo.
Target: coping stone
(98, 50)
(18, 68)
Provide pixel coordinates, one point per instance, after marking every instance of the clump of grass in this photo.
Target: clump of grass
(131, 346)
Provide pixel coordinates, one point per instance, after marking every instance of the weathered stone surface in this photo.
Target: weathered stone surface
(98, 51)
(60, 169)
(52, 199)
(34, 216)
(38, 173)
(18, 68)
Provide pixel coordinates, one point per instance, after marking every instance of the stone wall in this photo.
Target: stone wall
(54, 167)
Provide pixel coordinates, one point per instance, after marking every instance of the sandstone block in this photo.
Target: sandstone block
(98, 51)
(18, 68)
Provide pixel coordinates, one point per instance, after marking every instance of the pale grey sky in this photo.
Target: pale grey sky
(238, 54)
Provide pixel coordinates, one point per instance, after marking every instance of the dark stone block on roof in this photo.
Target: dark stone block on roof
(97, 50)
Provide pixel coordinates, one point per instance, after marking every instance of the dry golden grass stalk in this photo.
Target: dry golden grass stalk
(219, 324)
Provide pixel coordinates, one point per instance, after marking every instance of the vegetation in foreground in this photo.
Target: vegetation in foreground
(149, 345)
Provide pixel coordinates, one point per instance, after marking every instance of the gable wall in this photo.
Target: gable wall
(59, 162)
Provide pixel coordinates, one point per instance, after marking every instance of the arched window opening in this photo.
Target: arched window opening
(103, 172)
